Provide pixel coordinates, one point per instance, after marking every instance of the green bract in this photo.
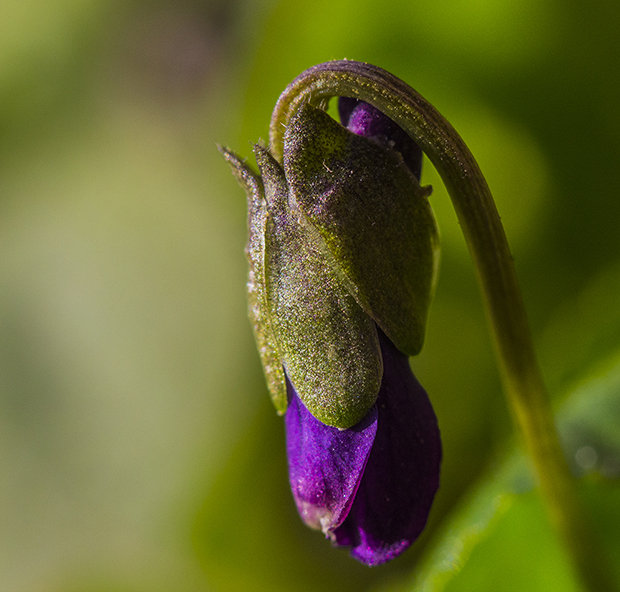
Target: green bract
(257, 298)
(341, 241)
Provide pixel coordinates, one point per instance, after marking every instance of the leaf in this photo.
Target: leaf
(329, 345)
(257, 299)
(500, 539)
(373, 217)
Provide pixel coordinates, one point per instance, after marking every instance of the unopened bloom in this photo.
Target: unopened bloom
(342, 250)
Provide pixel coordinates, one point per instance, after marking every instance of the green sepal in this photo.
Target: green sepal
(329, 345)
(258, 309)
(373, 217)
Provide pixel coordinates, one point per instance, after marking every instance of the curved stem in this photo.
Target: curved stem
(489, 249)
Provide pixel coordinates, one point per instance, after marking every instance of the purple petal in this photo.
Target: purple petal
(402, 474)
(325, 464)
(365, 120)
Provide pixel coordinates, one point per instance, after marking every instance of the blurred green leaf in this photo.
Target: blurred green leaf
(500, 539)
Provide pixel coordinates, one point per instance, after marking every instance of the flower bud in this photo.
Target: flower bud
(343, 252)
(342, 240)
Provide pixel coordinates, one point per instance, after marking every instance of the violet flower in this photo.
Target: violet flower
(342, 253)
(369, 487)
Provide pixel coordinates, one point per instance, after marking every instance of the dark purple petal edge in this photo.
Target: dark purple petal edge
(402, 474)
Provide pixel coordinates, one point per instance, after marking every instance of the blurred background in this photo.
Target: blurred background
(138, 447)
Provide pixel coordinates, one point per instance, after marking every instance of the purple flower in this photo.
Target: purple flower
(343, 253)
(369, 487)
(364, 120)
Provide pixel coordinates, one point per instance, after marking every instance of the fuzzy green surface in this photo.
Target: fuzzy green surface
(257, 298)
(329, 345)
(373, 217)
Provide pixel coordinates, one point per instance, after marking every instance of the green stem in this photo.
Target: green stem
(489, 249)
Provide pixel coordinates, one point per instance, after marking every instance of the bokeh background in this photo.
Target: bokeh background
(138, 447)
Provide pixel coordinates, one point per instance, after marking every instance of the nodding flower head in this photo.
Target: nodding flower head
(343, 255)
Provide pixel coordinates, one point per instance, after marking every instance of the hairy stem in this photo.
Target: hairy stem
(489, 249)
